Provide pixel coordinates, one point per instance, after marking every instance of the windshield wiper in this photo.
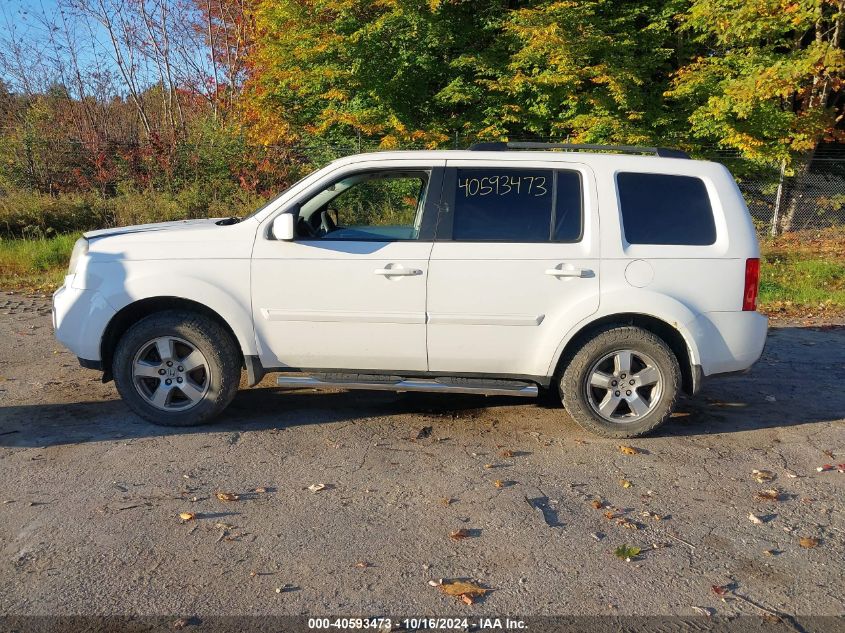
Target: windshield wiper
(227, 221)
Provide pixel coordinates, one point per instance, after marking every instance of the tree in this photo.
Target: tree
(421, 71)
(400, 70)
(768, 81)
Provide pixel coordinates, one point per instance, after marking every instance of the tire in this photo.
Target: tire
(600, 400)
(199, 386)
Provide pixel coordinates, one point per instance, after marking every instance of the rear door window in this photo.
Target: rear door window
(517, 205)
(665, 209)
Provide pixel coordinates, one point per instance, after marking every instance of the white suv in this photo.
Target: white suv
(618, 279)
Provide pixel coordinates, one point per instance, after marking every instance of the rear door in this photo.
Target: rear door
(515, 265)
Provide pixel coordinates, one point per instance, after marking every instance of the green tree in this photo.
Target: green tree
(767, 81)
(419, 71)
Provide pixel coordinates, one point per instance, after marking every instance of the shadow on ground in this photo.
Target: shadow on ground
(797, 381)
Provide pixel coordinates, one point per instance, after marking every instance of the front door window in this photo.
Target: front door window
(377, 206)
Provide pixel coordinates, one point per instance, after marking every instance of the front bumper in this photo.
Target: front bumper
(80, 318)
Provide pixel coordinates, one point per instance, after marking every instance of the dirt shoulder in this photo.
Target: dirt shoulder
(90, 497)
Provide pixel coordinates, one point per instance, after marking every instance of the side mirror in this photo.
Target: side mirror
(283, 229)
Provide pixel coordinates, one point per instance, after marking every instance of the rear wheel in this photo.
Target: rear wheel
(623, 382)
(177, 368)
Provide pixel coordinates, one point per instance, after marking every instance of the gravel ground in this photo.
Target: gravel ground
(90, 497)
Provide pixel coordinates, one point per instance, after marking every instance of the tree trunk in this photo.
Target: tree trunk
(796, 193)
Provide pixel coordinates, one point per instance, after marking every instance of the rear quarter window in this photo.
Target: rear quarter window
(665, 209)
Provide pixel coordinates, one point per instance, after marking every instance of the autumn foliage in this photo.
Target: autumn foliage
(209, 106)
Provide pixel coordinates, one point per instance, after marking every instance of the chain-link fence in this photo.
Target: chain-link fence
(808, 195)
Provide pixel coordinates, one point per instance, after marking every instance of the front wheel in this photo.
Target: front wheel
(623, 382)
(177, 368)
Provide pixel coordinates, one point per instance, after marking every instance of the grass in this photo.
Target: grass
(38, 264)
(803, 274)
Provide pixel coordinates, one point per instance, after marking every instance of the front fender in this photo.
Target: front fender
(637, 301)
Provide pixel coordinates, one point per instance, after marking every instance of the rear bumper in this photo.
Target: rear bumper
(79, 319)
(729, 341)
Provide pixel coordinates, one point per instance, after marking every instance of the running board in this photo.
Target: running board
(397, 383)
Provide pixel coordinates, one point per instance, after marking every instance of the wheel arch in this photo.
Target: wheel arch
(137, 310)
(670, 333)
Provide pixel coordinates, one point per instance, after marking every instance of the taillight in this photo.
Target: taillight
(752, 283)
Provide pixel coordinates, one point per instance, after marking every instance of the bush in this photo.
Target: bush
(37, 216)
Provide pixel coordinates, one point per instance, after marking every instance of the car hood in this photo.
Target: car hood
(179, 225)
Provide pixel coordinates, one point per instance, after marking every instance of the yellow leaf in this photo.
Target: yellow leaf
(187, 516)
(462, 588)
(625, 483)
(808, 542)
(628, 450)
(227, 496)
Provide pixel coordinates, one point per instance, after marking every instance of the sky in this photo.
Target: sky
(27, 20)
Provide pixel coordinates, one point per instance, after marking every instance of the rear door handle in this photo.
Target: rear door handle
(398, 272)
(569, 272)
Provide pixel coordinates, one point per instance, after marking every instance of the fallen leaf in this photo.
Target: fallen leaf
(755, 519)
(362, 564)
(628, 450)
(506, 453)
(446, 501)
(458, 535)
(316, 487)
(227, 496)
(652, 515)
(824, 468)
(180, 624)
(625, 483)
(808, 542)
(829, 453)
(423, 433)
(488, 466)
(768, 495)
(462, 589)
(260, 491)
(597, 504)
(719, 591)
(187, 516)
(762, 475)
(627, 552)
(628, 525)
(610, 514)
(499, 483)
(705, 611)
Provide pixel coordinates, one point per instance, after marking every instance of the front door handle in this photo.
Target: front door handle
(569, 272)
(398, 272)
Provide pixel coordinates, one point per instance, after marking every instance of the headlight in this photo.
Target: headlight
(79, 249)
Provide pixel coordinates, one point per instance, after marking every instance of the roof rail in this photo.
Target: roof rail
(499, 146)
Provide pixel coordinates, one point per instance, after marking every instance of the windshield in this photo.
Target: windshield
(273, 200)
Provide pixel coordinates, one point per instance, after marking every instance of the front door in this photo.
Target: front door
(515, 265)
(349, 292)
